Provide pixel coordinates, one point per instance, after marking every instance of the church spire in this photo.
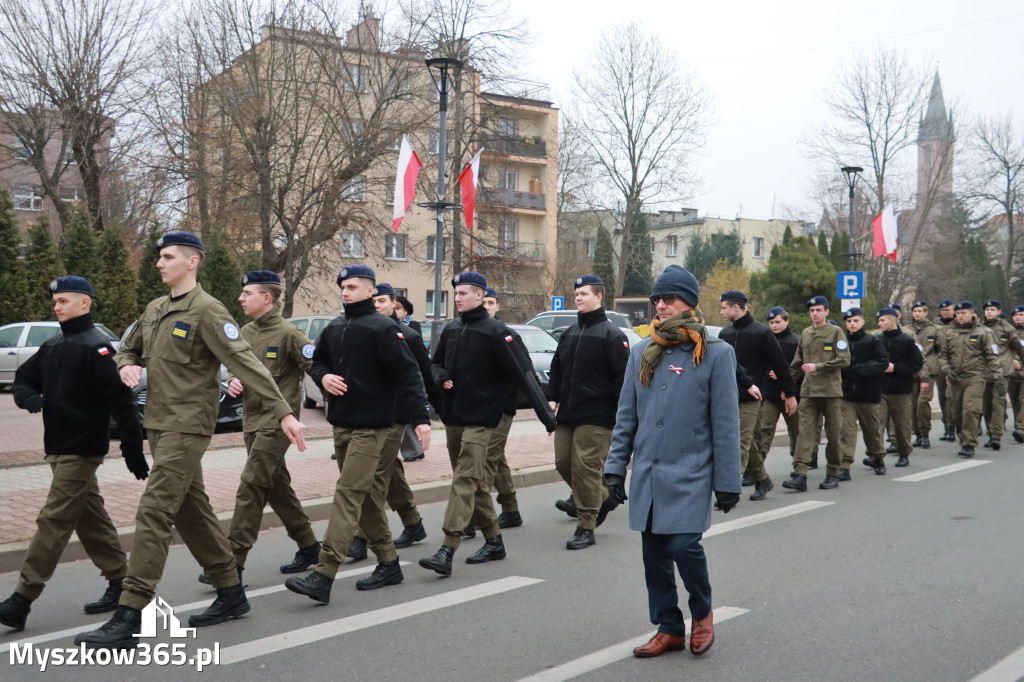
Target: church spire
(935, 124)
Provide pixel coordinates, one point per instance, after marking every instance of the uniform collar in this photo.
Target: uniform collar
(892, 333)
(360, 308)
(184, 302)
(269, 319)
(743, 321)
(477, 313)
(591, 318)
(859, 334)
(77, 325)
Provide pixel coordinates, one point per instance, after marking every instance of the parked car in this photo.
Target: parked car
(311, 326)
(555, 319)
(542, 347)
(20, 341)
(631, 335)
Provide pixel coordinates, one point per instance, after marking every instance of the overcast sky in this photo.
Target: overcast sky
(767, 63)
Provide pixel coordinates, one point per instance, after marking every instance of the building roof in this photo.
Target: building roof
(936, 124)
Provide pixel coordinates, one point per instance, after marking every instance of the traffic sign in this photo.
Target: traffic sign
(850, 284)
(558, 303)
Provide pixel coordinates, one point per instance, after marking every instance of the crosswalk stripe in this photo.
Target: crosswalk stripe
(616, 652)
(361, 621)
(942, 471)
(765, 517)
(1010, 669)
(184, 608)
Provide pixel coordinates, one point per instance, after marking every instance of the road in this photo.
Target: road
(912, 576)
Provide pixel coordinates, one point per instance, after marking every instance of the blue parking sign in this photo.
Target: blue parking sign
(558, 303)
(850, 284)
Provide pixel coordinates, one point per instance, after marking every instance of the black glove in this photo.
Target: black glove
(727, 501)
(616, 487)
(34, 403)
(953, 376)
(137, 464)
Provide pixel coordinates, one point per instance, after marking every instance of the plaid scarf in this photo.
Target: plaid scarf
(686, 326)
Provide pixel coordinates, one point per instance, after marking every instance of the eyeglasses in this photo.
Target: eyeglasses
(669, 299)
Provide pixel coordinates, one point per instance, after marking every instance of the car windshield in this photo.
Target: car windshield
(538, 341)
(110, 335)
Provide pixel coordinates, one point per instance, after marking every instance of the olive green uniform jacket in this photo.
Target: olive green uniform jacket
(1010, 343)
(971, 351)
(927, 338)
(826, 347)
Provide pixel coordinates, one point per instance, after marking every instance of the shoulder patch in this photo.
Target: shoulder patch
(103, 350)
(841, 345)
(919, 347)
(307, 350)
(400, 335)
(508, 338)
(995, 349)
(230, 331)
(626, 343)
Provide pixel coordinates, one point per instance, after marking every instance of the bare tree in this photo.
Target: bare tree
(645, 115)
(578, 219)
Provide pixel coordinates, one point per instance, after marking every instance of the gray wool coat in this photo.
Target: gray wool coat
(683, 435)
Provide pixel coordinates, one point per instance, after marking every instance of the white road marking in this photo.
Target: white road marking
(765, 517)
(184, 608)
(615, 652)
(942, 471)
(361, 621)
(1010, 669)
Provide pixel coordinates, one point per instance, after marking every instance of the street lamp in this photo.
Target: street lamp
(851, 173)
(443, 71)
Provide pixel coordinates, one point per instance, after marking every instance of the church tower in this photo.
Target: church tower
(935, 152)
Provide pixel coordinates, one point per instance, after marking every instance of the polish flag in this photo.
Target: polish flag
(885, 234)
(468, 183)
(405, 183)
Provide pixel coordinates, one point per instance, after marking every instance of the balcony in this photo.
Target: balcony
(526, 251)
(516, 146)
(512, 199)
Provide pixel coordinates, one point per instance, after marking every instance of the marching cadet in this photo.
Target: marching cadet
(942, 321)
(969, 356)
(862, 393)
(822, 353)
(905, 361)
(585, 381)
(925, 334)
(364, 367)
(73, 380)
(771, 393)
(181, 340)
(1010, 344)
(1016, 381)
(390, 482)
(476, 363)
(286, 352)
(757, 354)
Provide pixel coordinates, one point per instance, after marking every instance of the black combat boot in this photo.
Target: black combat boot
(469, 532)
(876, 463)
(892, 449)
(108, 602)
(902, 461)
(747, 480)
(829, 483)
(14, 611)
(797, 482)
(844, 475)
(950, 434)
(388, 573)
(966, 451)
(581, 539)
(925, 443)
(441, 561)
(117, 633)
(1018, 436)
(813, 464)
(493, 550)
(761, 489)
(509, 520)
(356, 549)
(606, 508)
(306, 557)
(230, 603)
(917, 441)
(994, 444)
(316, 586)
(411, 534)
(568, 506)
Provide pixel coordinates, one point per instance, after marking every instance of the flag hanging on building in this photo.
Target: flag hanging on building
(405, 183)
(468, 183)
(885, 234)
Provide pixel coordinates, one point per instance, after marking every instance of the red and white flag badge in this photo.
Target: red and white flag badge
(400, 335)
(625, 344)
(508, 339)
(676, 369)
(103, 351)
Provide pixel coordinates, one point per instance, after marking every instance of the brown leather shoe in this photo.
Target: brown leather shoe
(659, 644)
(702, 635)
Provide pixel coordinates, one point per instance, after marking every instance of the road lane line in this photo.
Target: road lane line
(616, 652)
(1010, 669)
(361, 621)
(184, 608)
(942, 471)
(765, 517)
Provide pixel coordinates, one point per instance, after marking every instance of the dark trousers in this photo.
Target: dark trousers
(662, 555)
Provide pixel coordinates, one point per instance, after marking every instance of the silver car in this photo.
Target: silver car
(311, 326)
(20, 341)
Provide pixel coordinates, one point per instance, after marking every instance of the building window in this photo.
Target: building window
(27, 199)
(430, 249)
(653, 243)
(507, 178)
(672, 243)
(354, 189)
(758, 247)
(507, 127)
(396, 144)
(404, 293)
(389, 195)
(355, 132)
(69, 196)
(394, 247)
(430, 304)
(398, 85)
(352, 244)
(358, 75)
(433, 141)
(23, 153)
(508, 233)
(591, 246)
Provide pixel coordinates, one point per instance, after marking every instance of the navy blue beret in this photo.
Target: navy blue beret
(919, 304)
(585, 280)
(356, 271)
(896, 306)
(179, 239)
(474, 278)
(853, 312)
(383, 289)
(734, 296)
(888, 311)
(945, 303)
(260, 277)
(1018, 309)
(964, 305)
(775, 311)
(817, 300)
(71, 283)
(993, 303)
(489, 292)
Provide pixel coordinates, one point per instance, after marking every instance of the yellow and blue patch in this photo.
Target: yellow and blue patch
(828, 346)
(181, 330)
(271, 352)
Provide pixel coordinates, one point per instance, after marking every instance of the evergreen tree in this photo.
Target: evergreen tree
(150, 285)
(787, 236)
(221, 276)
(823, 244)
(796, 272)
(604, 265)
(704, 253)
(81, 252)
(839, 253)
(117, 286)
(42, 266)
(638, 278)
(12, 284)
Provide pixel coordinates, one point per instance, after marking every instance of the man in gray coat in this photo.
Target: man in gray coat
(678, 419)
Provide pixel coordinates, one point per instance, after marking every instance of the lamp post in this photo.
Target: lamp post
(851, 173)
(443, 71)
